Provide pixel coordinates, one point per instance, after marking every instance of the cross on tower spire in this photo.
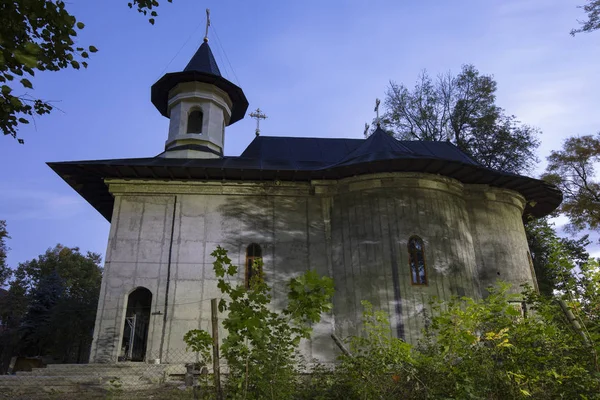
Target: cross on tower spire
(258, 115)
(377, 102)
(207, 25)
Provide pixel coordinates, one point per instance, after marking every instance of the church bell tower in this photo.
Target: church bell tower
(199, 103)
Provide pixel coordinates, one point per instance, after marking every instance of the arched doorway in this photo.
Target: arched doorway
(137, 321)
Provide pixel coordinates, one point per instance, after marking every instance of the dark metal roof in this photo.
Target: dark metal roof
(203, 61)
(305, 159)
(201, 68)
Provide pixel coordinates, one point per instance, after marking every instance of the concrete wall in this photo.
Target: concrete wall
(355, 230)
(216, 109)
(500, 243)
(373, 219)
(137, 256)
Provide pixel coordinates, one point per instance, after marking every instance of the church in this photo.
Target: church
(392, 222)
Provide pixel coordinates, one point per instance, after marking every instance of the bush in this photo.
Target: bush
(473, 349)
(261, 346)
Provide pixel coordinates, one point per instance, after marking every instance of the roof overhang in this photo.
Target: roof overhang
(87, 177)
(160, 91)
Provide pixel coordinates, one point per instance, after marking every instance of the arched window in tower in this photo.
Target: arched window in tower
(253, 264)
(416, 260)
(194, 122)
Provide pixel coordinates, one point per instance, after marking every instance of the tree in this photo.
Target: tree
(461, 109)
(592, 9)
(51, 304)
(39, 35)
(547, 248)
(5, 271)
(38, 324)
(572, 169)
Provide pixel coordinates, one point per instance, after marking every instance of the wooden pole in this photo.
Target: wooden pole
(574, 323)
(339, 344)
(215, 335)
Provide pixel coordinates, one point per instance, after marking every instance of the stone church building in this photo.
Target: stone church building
(392, 222)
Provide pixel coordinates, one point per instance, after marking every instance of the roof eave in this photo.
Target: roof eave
(87, 178)
(159, 92)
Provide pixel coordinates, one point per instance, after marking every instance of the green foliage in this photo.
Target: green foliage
(381, 366)
(39, 35)
(145, 7)
(5, 271)
(261, 344)
(581, 290)
(199, 342)
(461, 109)
(554, 258)
(592, 10)
(51, 304)
(473, 349)
(572, 169)
(37, 325)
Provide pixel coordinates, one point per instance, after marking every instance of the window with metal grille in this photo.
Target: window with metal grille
(253, 264)
(416, 260)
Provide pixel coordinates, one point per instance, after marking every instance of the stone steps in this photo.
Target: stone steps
(106, 371)
(101, 378)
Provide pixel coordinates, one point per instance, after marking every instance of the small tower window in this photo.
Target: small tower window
(253, 263)
(194, 123)
(416, 260)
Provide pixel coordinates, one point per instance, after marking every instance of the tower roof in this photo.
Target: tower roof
(201, 68)
(203, 61)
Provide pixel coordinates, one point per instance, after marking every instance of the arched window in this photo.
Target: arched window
(253, 254)
(194, 123)
(416, 260)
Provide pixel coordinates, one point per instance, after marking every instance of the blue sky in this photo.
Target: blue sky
(315, 68)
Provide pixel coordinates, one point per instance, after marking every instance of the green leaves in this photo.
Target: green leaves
(592, 9)
(461, 109)
(51, 302)
(572, 169)
(261, 344)
(5, 271)
(146, 6)
(26, 83)
(480, 349)
(40, 35)
(27, 58)
(37, 35)
(200, 342)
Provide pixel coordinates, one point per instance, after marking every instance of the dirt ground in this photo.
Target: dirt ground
(170, 393)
